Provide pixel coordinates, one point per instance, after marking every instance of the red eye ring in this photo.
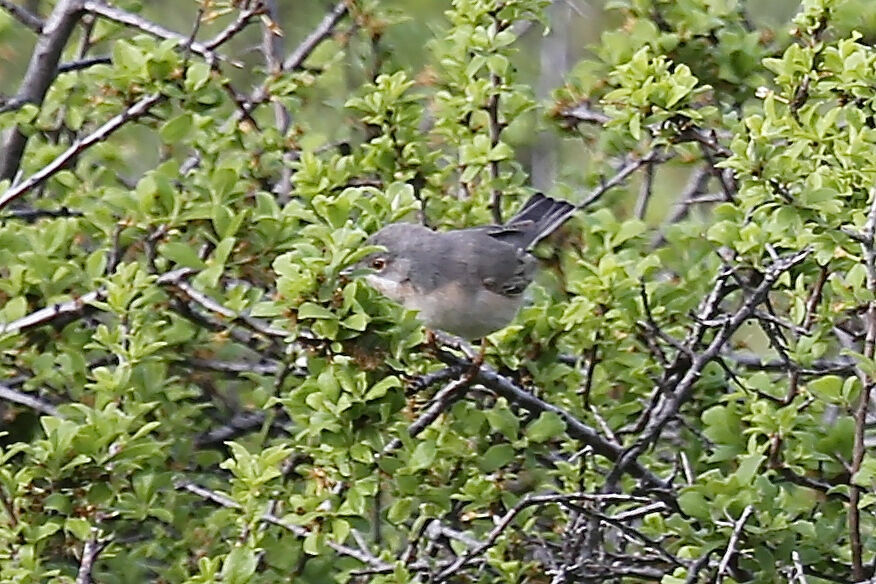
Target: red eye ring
(378, 263)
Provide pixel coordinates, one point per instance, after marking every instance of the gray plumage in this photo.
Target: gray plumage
(468, 282)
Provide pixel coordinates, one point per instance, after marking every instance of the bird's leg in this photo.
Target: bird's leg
(431, 339)
(476, 361)
(479, 358)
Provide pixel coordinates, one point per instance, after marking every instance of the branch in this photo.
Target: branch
(501, 524)
(40, 73)
(221, 499)
(199, 297)
(73, 307)
(584, 113)
(80, 64)
(315, 38)
(135, 111)
(673, 401)
(31, 215)
(24, 16)
(442, 400)
(238, 24)
(819, 367)
(578, 430)
(731, 545)
(90, 551)
(626, 169)
(495, 127)
(30, 401)
(44, 315)
(868, 247)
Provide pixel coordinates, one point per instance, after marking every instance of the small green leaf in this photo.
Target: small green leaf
(381, 387)
(312, 310)
(545, 427)
(423, 455)
(177, 128)
(78, 527)
(496, 457)
(828, 387)
(182, 254)
(239, 566)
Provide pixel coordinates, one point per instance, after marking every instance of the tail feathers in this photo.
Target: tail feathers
(540, 216)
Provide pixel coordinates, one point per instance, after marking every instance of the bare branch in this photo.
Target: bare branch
(503, 523)
(670, 405)
(315, 38)
(24, 16)
(73, 307)
(81, 64)
(628, 168)
(731, 545)
(503, 386)
(50, 313)
(199, 297)
(238, 24)
(495, 128)
(646, 191)
(30, 401)
(90, 551)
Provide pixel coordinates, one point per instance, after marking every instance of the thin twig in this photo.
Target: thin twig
(24, 16)
(80, 64)
(731, 545)
(495, 128)
(518, 396)
(442, 400)
(33, 402)
(90, 552)
(319, 34)
(683, 388)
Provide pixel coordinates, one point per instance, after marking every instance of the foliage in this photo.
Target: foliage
(193, 392)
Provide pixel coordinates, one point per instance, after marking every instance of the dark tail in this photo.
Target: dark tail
(539, 217)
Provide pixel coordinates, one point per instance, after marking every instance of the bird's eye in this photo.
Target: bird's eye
(378, 263)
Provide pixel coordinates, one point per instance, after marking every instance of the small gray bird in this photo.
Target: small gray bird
(467, 282)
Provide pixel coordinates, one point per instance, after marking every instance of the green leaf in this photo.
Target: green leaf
(356, 322)
(239, 566)
(547, 426)
(423, 455)
(80, 528)
(197, 75)
(311, 310)
(828, 387)
(182, 254)
(379, 389)
(177, 128)
(496, 457)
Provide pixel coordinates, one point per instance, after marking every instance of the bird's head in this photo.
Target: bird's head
(389, 271)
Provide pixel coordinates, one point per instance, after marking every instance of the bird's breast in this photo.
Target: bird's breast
(467, 313)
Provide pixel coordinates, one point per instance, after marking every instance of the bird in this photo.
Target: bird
(467, 282)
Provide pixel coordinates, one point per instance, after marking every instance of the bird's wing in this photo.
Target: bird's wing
(494, 264)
